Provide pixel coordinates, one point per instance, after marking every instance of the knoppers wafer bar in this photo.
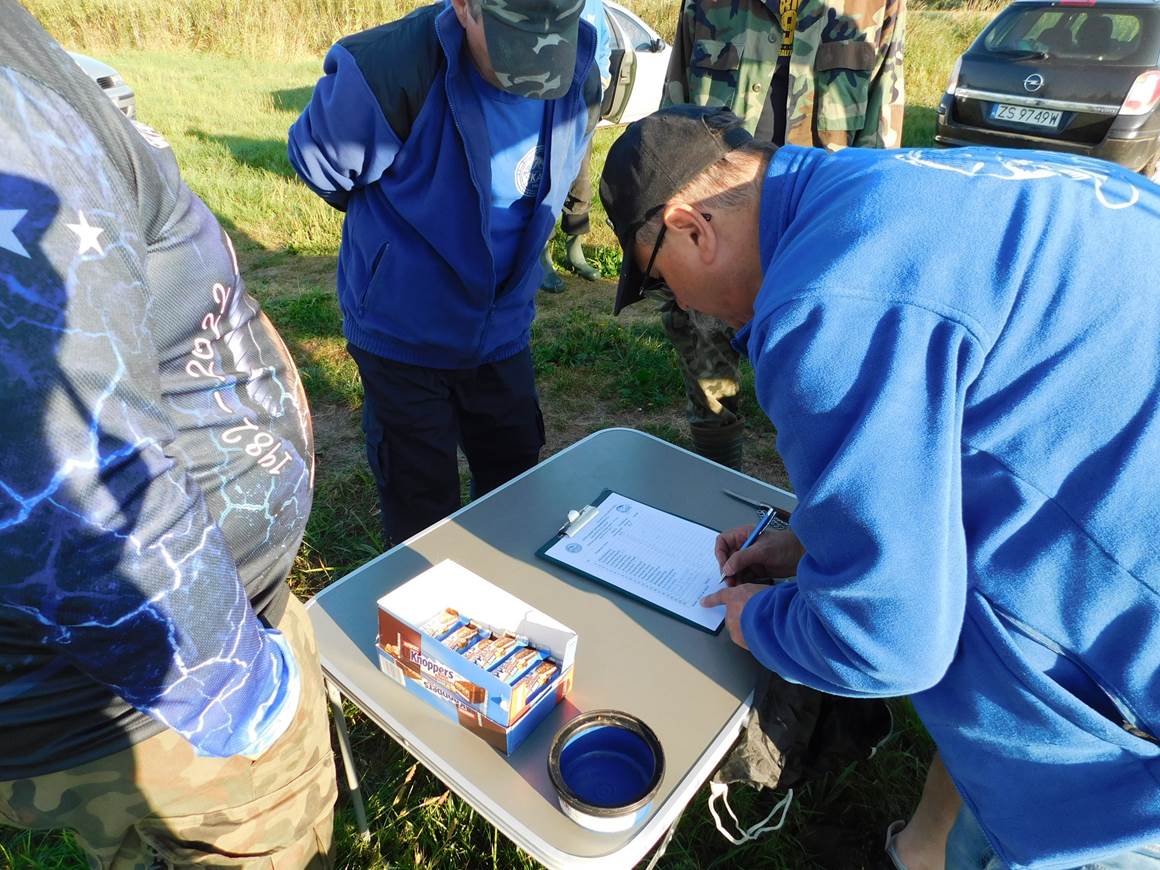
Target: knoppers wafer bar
(536, 679)
(442, 624)
(488, 653)
(463, 637)
(517, 664)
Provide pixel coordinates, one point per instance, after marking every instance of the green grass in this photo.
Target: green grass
(39, 850)
(242, 28)
(634, 367)
(224, 97)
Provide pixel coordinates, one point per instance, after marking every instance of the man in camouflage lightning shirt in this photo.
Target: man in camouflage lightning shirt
(160, 692)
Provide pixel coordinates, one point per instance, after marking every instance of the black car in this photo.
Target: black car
(1070, 75)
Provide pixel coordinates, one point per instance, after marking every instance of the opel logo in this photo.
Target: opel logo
(1033, 83)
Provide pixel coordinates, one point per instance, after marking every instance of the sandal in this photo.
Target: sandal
(892, 833)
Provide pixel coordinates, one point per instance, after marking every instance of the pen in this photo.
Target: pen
(762, 524)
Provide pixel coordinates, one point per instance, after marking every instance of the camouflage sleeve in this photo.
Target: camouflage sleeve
(676, 90)
(887, 98)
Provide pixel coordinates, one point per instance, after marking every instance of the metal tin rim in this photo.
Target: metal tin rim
(604, 718)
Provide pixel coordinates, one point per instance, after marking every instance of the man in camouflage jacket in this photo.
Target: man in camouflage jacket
(840, 84)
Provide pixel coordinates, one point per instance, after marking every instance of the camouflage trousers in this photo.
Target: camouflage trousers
(159, 804)
(709, 365)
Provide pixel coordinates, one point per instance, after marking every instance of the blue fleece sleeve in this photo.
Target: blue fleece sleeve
(867, 399)
(342, 140)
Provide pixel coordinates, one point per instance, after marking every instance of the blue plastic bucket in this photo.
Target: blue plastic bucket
(606, 767)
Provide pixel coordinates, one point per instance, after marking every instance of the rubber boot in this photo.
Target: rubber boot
(578, 262)
(551, 282)
(722, 444)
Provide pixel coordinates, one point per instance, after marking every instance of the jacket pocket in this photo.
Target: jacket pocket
(372, 275)
(843, 72)
(1105, 714)
(714, 69)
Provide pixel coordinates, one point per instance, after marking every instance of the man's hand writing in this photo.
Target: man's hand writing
(774, 554)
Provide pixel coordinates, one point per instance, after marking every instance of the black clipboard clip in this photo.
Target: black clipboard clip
(578, 520)
(779, 518)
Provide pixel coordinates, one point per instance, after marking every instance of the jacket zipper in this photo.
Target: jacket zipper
(1128, 719)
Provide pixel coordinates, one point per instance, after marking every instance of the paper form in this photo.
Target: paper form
(662, 559)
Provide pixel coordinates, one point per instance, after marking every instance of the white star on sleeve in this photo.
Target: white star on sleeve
(9, 218)
(87, 234)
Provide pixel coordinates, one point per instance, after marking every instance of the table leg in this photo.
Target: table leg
(352, 783)
(664, 844)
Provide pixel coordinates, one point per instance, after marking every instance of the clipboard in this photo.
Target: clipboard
(653, 556)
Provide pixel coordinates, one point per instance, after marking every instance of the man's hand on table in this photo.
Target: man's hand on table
(734, 598)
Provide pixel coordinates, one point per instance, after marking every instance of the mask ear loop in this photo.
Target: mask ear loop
(721, 790)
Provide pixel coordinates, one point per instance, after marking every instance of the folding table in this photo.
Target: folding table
(693, 688)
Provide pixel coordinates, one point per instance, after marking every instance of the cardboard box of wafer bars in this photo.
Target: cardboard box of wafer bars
(483, 657)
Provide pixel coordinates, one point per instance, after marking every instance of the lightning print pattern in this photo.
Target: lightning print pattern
(156, 463)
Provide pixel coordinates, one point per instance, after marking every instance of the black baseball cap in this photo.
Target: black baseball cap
(651, 161)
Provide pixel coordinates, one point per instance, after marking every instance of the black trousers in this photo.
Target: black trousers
(415, 417)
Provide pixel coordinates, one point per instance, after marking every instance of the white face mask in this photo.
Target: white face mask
(721, 790)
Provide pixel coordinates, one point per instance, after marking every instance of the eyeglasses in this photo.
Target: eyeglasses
(654, 287)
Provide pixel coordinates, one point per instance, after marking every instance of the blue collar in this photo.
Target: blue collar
(779, 196)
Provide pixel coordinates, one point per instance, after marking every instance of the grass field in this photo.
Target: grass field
(223, 79)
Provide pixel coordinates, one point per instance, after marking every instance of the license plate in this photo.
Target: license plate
(1026, 115)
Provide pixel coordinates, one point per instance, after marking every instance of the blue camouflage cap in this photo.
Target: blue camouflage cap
(532, 44)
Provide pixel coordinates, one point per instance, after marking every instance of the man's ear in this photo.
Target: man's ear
(688, 222)
(461, 11)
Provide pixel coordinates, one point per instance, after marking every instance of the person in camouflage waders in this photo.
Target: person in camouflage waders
(826, 73)
(574, 218)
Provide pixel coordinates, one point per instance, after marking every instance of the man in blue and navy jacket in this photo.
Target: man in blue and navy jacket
(450, 138)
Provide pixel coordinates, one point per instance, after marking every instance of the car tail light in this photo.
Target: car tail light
(1143, 95)
(954, 82)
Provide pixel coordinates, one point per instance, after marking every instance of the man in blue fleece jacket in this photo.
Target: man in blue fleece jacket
(449, 138)
(966, 392)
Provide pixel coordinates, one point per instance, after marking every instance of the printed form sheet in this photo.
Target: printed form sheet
(662, 559)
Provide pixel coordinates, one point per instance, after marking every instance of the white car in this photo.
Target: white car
(639, 60)
(109, 81)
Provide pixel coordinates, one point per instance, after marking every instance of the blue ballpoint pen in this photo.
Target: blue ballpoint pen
(762, 524)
